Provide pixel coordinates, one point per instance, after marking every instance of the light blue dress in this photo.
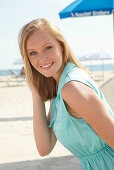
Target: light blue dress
(76, 134)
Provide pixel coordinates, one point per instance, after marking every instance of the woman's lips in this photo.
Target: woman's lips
(47, 66)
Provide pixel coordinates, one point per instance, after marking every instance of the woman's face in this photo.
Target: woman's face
(45, 53)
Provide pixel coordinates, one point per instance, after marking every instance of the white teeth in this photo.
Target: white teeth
(46, 66)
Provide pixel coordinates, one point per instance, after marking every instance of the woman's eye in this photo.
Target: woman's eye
(48, 47)
(32, 53)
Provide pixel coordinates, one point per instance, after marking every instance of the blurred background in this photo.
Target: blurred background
(86, 35)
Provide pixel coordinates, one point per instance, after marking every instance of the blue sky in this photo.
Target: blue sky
(85, 35)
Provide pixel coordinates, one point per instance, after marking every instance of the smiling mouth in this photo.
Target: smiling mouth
(47, 66)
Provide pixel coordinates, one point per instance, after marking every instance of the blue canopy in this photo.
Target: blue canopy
(80, 8)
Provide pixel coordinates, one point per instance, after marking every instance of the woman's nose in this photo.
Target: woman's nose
(43, 57)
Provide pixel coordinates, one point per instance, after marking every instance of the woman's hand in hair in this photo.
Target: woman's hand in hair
(33, 88)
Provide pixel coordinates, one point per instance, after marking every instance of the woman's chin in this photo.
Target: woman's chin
(47, 75)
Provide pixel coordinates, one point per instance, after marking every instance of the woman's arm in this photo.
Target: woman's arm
(90, 107)
(44, 136)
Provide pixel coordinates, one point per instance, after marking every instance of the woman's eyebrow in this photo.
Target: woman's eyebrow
(29, 50)
(46, 44)
(41, 46)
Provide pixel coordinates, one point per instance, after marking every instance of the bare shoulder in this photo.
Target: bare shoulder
(79, 97)
(76, 88)
(82, 98)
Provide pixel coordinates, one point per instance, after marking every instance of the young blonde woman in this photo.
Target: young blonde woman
(79, 117)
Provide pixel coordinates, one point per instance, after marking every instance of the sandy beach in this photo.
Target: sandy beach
(17, 145)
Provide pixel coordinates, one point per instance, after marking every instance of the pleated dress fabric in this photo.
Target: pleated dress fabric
(76, 134)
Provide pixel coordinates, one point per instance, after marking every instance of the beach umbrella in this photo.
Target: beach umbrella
(84, 8)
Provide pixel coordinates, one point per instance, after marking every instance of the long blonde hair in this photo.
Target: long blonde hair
(47, 86)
